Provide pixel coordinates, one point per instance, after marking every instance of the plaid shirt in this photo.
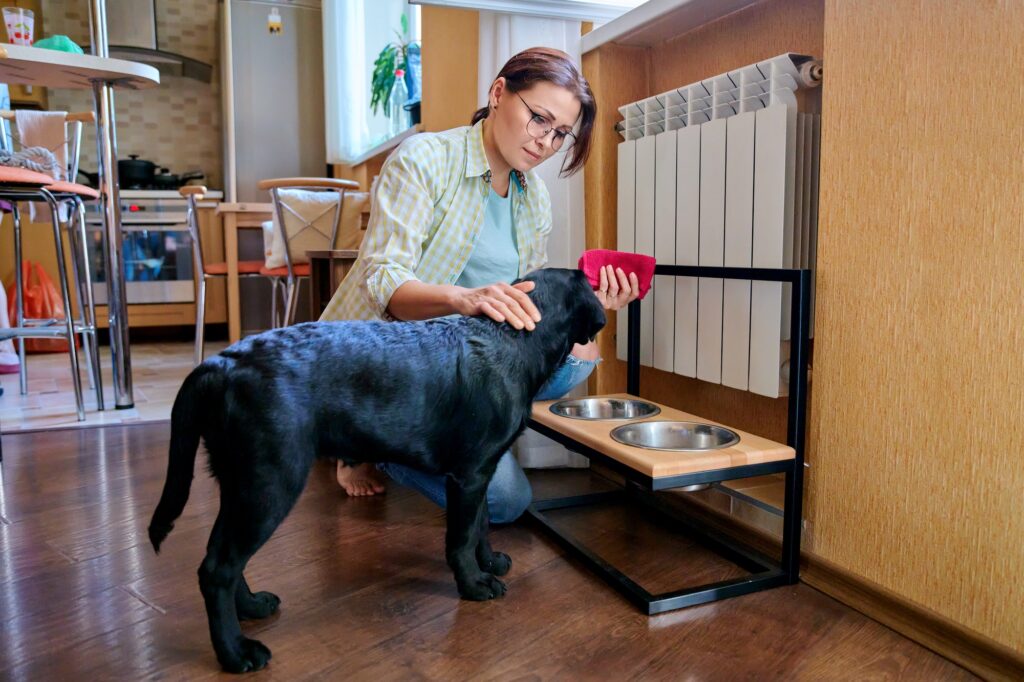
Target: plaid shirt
(426, 214)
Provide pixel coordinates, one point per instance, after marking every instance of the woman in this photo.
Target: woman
(460, 214)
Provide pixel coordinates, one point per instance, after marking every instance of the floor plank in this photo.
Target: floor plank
(366, 592)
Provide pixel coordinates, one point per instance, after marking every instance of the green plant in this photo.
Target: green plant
(394, 55)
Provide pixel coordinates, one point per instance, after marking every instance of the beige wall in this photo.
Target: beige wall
(177, 125)
(918, 368)
(919, 359)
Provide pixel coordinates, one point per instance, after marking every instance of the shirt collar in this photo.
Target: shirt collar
(476, 161)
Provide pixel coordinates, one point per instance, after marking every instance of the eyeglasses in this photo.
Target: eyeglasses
(538, 128)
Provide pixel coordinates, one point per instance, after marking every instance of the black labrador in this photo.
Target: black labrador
(445, 396)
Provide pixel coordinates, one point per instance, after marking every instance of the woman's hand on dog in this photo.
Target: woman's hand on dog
(501, 302)
(616, 290)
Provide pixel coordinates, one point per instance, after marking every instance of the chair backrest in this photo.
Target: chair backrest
(308, 213)
(194, 194)
(73, 122)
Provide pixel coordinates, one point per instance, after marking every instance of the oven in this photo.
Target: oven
(156, 248)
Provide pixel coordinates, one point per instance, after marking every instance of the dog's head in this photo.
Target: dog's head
(562, 293)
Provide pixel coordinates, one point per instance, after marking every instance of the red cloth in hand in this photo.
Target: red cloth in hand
(593, 260)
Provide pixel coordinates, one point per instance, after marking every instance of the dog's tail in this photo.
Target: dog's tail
(186, 419)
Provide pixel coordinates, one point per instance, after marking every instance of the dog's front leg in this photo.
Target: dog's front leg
(490, 561)
(466, 515)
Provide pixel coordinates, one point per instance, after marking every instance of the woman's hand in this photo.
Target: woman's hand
(616, 290)
(501, 302)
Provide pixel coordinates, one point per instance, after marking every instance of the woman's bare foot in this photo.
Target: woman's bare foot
(360, 480)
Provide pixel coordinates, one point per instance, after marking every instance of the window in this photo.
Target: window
(355, 32)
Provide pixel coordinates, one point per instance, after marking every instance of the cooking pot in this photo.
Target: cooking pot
(135, 172)
(162, 180)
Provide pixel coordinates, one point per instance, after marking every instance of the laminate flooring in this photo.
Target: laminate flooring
(366, 592)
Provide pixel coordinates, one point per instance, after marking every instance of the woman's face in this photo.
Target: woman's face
(549, 105)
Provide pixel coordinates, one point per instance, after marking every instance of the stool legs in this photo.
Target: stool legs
(275, 318)
(19, 302)
(293, 301)
(83, 281)
(200, 319)
(68, 318)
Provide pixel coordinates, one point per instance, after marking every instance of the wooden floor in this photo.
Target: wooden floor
(366, 593)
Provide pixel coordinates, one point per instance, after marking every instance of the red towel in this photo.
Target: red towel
(593, 260)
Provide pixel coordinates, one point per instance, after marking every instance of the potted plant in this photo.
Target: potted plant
(402, 54)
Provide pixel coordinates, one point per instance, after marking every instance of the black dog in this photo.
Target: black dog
(445, 396)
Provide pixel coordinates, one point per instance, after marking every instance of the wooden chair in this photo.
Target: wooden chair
(301, 233)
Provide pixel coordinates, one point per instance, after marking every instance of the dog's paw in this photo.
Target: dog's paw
(260, 605)
(248, 656)
(499, 564)
(482, 587)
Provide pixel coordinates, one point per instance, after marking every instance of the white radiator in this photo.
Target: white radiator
(721, 172)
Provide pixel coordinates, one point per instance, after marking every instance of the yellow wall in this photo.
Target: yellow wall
(918, 379)
(919, 358)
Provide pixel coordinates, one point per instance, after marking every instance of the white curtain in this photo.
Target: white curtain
(355, 31)
(346, 79)
(501, 36)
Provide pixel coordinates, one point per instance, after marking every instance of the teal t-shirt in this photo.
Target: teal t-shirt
(495, 256)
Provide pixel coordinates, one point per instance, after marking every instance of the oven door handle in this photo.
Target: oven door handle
(146, 227)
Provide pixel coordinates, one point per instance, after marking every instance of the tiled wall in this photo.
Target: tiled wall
(178, 124)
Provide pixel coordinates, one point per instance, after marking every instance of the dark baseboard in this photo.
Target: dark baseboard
(979, 654)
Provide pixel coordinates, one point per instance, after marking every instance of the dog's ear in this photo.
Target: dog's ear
(588, 317)
(543, 296)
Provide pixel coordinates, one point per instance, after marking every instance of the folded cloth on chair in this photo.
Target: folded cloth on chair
(593, 260)
(45, 129)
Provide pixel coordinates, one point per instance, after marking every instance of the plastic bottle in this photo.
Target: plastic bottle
(398, 117)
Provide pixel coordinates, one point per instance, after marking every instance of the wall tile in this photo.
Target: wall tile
(178, 124)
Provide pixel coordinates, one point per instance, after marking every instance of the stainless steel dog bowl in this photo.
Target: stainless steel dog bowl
(605, 408)
(665, 435)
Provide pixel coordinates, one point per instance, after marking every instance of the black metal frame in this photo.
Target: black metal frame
(765, 571)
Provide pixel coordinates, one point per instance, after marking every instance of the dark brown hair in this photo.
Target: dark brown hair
(556, 67)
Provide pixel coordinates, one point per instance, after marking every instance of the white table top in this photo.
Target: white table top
(53, 69)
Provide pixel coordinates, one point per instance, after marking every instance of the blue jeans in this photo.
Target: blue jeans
(509, 492)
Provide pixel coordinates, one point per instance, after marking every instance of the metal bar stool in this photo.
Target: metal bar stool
(72, 196)
(19, 184)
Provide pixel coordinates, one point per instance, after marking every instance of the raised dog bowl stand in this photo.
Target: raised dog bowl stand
(648, 470)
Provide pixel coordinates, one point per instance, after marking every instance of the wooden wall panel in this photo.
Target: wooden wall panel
(450, 58)
(919, 358)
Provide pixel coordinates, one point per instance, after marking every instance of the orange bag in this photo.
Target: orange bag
(42, 300)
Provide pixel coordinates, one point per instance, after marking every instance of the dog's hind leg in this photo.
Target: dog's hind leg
(252, 606)
(466, 516)
(246, 521)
